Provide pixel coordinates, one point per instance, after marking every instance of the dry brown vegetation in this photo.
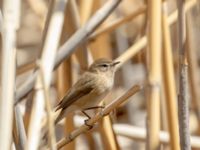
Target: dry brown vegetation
(47, 44)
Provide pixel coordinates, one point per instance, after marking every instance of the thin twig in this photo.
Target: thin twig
(98, 116)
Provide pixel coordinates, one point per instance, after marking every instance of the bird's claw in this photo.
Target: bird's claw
(86, 123)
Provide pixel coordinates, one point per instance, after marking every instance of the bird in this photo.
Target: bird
(92, 86)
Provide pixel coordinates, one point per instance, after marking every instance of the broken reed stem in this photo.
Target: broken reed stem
(154, 76)
(66, 49)
(169, 83)
(113, 105)
(28, 84)
(116, 23)
(183, 101)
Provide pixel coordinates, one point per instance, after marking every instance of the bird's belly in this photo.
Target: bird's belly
(90, 100)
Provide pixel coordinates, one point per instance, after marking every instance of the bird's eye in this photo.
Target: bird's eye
(105, 65)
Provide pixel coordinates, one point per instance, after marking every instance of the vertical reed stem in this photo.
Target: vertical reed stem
(154, 77)
(169, 82)
(183, 106)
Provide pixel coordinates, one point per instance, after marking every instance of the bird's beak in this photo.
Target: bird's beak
(115, 63)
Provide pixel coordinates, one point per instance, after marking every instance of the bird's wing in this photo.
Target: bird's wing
(83, 86)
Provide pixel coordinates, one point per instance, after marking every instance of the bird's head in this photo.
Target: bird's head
(103, 65)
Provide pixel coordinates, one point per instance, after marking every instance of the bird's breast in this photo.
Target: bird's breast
(101, 88)
(104, 84)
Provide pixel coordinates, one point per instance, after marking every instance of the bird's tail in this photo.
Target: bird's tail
(59, 117)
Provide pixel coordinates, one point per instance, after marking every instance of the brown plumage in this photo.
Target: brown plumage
(90, 89)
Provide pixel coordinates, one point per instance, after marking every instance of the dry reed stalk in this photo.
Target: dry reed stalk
(51, 5)
(82, 53)
(36, 117)
(25, 68)
(100, 47)
(50, 118)
(183, 101)
(28, 84)
(193, 67)
(139, 134)
(98, 116)
(39, 7)
(19, 133)
(10, 24)
(86, 10)
(169, 83)
(116, 23)
(66, 49)
(108, 136)
(131, 51)
(64, 82)
(1, 22)
(135, 48)
(28, 108)
(154, 76)
(187, 6)
(47, 63)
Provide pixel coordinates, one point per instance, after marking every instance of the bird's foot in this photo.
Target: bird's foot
(89, 125)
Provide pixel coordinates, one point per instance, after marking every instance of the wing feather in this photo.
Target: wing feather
(83, 87)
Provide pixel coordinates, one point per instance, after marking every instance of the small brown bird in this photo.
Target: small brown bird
(90, 89)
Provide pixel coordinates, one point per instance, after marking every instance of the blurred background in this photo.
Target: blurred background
(124, 29)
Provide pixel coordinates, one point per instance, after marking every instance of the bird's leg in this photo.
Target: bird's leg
(83, 111)
(86, 121)
(89, 108)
